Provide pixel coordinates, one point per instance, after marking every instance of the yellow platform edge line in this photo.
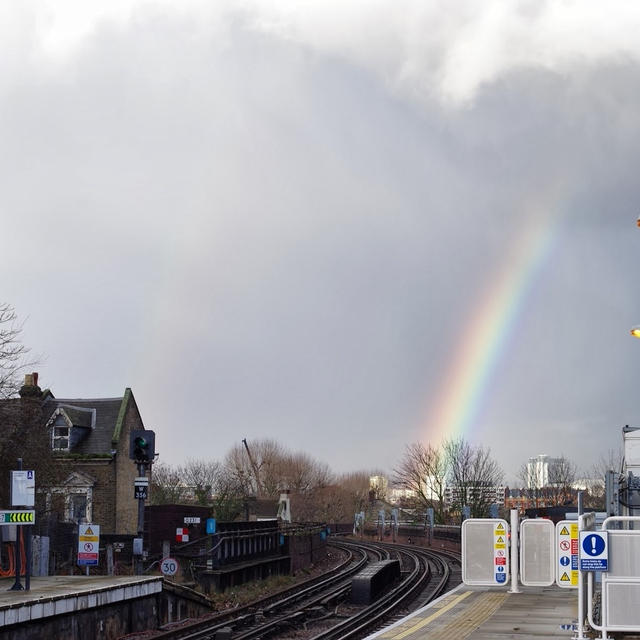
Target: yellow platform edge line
(476, 615)
(437, 614)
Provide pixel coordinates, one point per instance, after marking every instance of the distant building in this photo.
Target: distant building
(379, 485)
(524, 498)
(489, 494)
(538, 468)
(397, 494)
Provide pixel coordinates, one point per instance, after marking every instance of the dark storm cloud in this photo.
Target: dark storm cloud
(265, 233)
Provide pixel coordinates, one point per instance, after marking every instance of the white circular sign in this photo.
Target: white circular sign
(169, 566)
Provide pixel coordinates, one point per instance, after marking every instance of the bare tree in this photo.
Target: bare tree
(263, 475)
(239, 471)
(595, 478)
(23, 434)
(272, 469)
(166, 484)
(562, 477)
(473, 476)
(355, 486)
(200, 478)
(533, 481)
(423, 470)
(302, 474)
(12, 352)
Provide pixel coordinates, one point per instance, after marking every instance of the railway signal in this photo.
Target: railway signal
(142, 445)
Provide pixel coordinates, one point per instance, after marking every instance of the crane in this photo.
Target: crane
(254, 466)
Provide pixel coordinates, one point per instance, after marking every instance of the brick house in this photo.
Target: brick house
(89, 441)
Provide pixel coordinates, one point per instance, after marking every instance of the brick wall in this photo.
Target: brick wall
(126, 517)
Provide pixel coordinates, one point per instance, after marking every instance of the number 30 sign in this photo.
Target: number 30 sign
(169, 566)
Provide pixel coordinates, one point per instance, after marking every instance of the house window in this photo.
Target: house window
(61, 438)
(78, 507)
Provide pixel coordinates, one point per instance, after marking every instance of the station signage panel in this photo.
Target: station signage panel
(23, 488)
(88, 544)
(594, 551)
(485, 552)
(567, 554)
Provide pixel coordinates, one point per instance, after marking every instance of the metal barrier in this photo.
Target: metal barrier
(620, 583)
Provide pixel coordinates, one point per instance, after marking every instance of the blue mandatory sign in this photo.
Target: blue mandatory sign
(593, 545)
(594, 552)
(565, 560)
(501, 577)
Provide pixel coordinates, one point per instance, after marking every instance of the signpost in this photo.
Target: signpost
(88, 545)
(23, 491)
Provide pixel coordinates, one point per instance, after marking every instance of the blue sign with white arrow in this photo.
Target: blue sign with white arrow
(594, 551)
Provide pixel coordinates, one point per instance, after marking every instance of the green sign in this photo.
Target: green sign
(17, 517)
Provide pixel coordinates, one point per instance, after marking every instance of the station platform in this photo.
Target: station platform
(53, 597)
(487, 613)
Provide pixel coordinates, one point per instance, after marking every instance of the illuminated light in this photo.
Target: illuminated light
(635, 331)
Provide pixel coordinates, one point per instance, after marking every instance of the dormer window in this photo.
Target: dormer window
(69, 426)
(61, 438)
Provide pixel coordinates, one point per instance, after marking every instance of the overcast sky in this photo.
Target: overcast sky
(348, 226)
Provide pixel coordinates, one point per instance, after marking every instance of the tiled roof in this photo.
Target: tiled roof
(107, 412)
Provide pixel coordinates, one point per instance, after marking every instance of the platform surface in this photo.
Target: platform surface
(63, 586)
(477, 613)
(58, 595)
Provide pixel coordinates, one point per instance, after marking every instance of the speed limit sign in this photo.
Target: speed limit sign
(169, 567)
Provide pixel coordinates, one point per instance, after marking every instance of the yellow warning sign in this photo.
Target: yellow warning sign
(565, 577)
(88, 531)
(564, 532)
(499, 545)
(500, 527)
(500, 539)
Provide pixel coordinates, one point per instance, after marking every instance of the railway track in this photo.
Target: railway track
(320, 606)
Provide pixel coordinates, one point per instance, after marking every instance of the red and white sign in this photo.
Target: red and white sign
(182, 534)
(88, 544)
(169, 566)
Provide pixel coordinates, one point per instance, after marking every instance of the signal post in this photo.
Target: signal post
(142, 452)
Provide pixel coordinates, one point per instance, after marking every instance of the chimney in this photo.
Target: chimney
(30, 389)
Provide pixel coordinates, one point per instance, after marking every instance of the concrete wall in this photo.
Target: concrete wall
(103, 623)
(105, 614)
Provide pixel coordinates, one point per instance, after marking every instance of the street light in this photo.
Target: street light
(635, 331)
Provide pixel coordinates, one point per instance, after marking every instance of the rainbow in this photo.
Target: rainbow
(494, 319)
